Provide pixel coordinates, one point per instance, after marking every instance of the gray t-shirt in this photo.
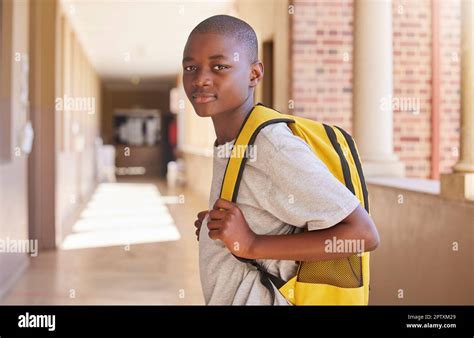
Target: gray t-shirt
(285, 187)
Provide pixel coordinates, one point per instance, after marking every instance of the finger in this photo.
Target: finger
(216, 214)
(202, 214)
(223, 204)
(197, 234)
(215, 234)
(214, 225)
(197, 223)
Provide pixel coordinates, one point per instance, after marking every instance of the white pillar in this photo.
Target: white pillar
(373, 82)
(466, 158)
(460, 184)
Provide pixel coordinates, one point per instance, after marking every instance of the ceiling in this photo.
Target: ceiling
(139, 39)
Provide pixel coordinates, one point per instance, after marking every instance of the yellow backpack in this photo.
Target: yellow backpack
(343, 281)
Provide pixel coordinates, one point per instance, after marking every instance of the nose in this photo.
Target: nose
(201, 79)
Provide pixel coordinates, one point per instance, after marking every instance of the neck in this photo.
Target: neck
(227, 124)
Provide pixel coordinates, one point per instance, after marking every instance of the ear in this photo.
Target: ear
(256, 74)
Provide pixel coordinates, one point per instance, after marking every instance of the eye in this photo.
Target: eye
(220, 67)
(189, 68)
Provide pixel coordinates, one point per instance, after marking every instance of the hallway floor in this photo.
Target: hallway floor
(155, 272)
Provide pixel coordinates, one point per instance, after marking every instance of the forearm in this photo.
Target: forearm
(314, 245)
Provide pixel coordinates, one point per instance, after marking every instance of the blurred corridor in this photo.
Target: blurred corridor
(121, 260)
(104, 163)
(123, 214)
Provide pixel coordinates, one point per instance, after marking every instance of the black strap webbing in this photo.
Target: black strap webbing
(345, 166)
(355, 156)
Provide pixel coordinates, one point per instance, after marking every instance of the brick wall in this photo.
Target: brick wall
(322, 74)
(412, 84)
(322, 61)
(450, 36)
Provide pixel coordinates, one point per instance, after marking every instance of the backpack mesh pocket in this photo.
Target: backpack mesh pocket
(342, 272)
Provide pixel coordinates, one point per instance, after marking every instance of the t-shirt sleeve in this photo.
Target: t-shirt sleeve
(302, 191)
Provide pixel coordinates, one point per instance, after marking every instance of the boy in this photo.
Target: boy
(284, 190)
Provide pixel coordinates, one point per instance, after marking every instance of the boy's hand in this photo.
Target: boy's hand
(200, 217)
(227, 223)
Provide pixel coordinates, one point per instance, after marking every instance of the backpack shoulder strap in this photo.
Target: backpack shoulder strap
(256, 120)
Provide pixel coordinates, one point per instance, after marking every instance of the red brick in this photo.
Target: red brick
(325, 92)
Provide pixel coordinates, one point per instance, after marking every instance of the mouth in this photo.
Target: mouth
(204, 98)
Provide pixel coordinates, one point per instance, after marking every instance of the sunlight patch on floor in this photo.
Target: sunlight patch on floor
(123, 214)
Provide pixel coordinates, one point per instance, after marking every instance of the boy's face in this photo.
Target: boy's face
(217, 73)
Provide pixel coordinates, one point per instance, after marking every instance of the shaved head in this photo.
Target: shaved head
(221, 67)
(231, 27)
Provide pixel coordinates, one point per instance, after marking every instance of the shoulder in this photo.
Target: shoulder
(278, 137)
(280, 150)
(275, 145)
